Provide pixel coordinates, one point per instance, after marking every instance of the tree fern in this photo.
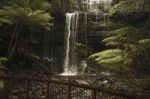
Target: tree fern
(130, 44)
(27, 17)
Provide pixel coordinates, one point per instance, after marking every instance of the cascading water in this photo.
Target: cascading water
(70, 55)
(93, 5)
(88, 6)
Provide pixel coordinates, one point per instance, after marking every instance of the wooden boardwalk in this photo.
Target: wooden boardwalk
(36, 88)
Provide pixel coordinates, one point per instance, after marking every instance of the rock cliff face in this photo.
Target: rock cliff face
(92, 29)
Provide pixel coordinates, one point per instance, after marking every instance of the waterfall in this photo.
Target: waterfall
(84, 65)
(86, 26)
(85, 7)
(93, 5)
(70, 55)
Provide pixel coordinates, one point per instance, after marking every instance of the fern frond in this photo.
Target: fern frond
(125, 37)
(106, 52)
(31, 56)
(126, 32)
(34, 4)
(121, 40)
(110, 53)
(113, 57)
(2, 59)
(145, 43)
(27, 17)
(118, 60)
(131, 6)
(3, 68)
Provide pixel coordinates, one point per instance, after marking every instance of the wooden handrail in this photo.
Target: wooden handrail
(68, 85)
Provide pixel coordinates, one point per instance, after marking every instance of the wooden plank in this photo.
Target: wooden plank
(68, 89)
(27, 89)
(93, 94)
(47, 90)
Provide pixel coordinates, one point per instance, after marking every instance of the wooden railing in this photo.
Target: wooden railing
(66, 90)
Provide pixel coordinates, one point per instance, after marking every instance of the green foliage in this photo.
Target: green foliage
(145, 42)
(2, 68)
(82, 50)
(129, 37)
(26, 19)
(112, 58)
(130, 45)
(33, 4)
(61, 6)
(29, 13)
(31, 56)
(131, 6)
(2, 59)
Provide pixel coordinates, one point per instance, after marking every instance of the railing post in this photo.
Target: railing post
(47, 90)
(27, 89)
(67, 95)
(93, 94)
